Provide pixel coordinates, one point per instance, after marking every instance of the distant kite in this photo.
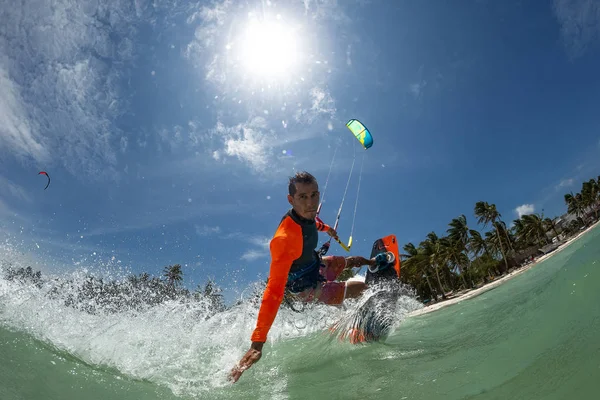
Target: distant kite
(47, 176)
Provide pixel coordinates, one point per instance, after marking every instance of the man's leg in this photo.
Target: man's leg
(354, 289)
(358, 261)
(334, 265)
(335, 292)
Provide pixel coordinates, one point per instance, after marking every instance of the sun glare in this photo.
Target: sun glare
(269, 48)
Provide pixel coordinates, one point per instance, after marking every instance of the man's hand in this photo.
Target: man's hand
(331, 232)
(251, 356)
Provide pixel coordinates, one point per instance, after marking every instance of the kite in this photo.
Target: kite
(360, 132)
(47, 176)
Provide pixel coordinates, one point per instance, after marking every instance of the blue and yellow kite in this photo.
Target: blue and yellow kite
(360, 132)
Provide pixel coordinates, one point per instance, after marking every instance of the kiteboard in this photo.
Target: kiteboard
(387, 244)
(372, 319)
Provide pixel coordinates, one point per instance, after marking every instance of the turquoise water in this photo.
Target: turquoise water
(533, 337)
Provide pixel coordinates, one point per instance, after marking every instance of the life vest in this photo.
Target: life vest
(305, 277)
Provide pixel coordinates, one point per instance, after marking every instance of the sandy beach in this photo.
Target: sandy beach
(476, 292)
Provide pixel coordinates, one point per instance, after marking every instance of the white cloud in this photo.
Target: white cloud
(251, 255)
(16, 132)
(5, 209)
(174, 138)
(348, 55)
(59, 92)
(579, 24)
(565, 183)
(124, 143)
(16, 190)
(206, 230)
(525, 209)
(263, 248)
(260, 241)
(250, 142)
(322, 104)
(417, 88)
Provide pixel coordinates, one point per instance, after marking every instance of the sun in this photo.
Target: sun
(269, 48)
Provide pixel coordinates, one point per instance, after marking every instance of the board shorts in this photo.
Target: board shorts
(329, 292)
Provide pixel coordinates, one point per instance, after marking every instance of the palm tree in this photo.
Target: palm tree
(213, 294)
(441, 252)
(589, 195)
(519, 231)
(487, 213)
(534, 228)
(477, 244)
(174, 275)
(575, 205)
(550, 225)
(459, 231)
(458, 236)
(509, 240)
(417, 265)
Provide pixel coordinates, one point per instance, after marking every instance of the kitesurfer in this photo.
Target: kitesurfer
(298, 268)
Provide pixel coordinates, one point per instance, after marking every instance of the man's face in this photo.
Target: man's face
(306, 200)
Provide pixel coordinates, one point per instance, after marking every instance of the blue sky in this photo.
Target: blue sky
(169, 130)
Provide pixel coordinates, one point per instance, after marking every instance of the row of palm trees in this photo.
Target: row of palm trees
(464, 257)
(580, 204)
(136, 292)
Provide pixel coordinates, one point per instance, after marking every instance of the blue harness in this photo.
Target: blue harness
(305, 278)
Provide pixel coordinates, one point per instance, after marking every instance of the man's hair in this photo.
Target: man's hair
(300, 177)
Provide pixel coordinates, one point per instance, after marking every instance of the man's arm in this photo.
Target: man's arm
(323, 227)
(285, 248)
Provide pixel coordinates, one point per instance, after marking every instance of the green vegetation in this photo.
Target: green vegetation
(136, 292)
(465, 258)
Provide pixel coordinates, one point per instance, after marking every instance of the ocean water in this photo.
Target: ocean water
(536, 336)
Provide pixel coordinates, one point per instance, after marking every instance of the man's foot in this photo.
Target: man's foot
(381, 261)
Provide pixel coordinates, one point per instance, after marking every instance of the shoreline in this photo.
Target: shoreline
(476, 292)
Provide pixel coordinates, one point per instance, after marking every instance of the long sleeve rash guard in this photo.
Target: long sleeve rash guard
(292, 246)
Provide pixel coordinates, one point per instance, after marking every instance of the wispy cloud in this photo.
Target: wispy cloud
(11, 192)
(416, 88)
(349, 55)
(261, 252)
(525, 209)
(16, 191)
(153, 216)
(59, 91)
(5, 209)
(579, 24)
(260, 245)
(260, 241)
(322, 104)
(205, 230)
(249, 142)
(252, 254)
(16, 132)
(565, 183)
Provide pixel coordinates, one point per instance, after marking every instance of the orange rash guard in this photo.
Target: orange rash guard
(292, 247)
